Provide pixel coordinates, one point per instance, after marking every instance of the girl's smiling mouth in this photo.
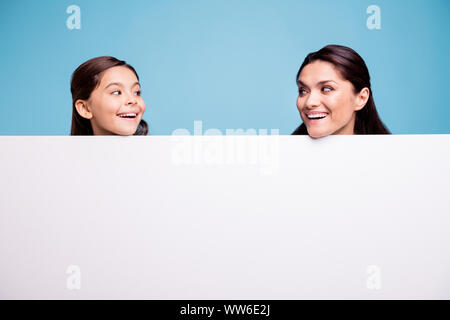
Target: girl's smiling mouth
(128, 115)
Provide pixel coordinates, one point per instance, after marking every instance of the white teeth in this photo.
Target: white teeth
(315, 116)
(127, 115)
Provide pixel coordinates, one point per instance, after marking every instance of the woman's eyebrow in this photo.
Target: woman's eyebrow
(299, 82)
(325, 81)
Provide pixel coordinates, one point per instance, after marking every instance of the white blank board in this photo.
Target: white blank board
(225, 217)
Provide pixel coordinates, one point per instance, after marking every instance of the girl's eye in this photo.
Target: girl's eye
(327, 89)
(138, 93)
(301, 91)
(116, 92)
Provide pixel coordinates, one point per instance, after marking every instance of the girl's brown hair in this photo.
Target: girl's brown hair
(352, 68)
(84, 80)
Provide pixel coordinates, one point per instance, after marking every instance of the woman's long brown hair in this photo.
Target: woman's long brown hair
(352, 68)
(84, 80)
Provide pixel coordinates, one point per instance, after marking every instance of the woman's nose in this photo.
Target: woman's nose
(313, 100)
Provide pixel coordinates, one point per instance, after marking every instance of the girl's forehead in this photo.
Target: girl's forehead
(118, 74)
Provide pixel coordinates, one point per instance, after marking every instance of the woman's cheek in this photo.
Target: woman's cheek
(299, 104)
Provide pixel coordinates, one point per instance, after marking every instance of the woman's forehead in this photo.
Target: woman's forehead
(319, 71)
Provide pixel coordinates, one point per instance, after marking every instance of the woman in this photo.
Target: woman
(106, 99)
(335, 96)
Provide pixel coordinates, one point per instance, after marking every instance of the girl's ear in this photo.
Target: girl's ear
(361, 98)
(83, 109)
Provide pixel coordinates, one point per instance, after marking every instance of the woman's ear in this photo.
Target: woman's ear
(361, 98)
(83, 109)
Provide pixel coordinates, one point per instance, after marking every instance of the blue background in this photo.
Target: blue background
(229, 63)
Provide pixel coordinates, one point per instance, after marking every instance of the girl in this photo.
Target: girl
(106, 99)
(335, 96)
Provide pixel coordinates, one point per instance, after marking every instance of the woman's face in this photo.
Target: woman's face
(115, 107)
(327, 103)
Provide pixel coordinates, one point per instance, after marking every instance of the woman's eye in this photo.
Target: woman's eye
(301, 91)
(327, 89)
(116, 92)
(138, 93)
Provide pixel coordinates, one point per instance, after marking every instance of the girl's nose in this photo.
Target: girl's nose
(131, 99)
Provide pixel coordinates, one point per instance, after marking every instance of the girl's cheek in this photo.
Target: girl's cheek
(114, 103)
(142, 104)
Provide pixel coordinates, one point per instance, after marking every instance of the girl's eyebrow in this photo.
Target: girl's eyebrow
(121, 85)
(114, 84)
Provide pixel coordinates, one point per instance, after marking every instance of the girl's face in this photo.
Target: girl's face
(327, 103)
(115, 107)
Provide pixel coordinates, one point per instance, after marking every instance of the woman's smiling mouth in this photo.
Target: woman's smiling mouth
(315, 117)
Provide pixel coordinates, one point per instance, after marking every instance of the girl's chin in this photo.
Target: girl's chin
(119, 129)
(124, 131)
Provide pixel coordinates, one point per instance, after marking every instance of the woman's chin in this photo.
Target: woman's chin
(316, 134)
